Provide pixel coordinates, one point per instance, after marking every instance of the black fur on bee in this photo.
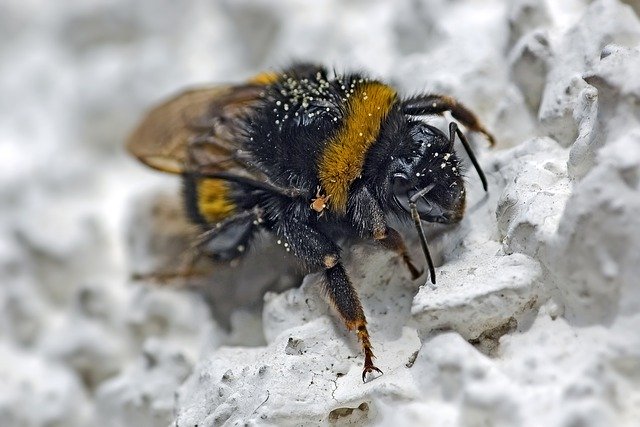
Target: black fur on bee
(312, 159)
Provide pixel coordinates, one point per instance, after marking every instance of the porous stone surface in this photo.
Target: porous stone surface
(535, 315)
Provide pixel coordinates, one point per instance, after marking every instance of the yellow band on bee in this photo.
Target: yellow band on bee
(265, 78)
(214, 201)
(343, 158)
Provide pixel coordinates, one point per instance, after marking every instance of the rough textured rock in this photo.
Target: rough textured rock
(535, 314)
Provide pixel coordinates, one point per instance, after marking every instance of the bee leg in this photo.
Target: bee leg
(345, 300)
(320, 252)
(423, 105)
(393, 241)
(185, 271)
(367, 215)
(229, 239)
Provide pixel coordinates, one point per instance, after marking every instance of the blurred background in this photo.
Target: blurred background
(75, 77)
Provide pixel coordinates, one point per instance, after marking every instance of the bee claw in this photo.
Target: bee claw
(369, 369)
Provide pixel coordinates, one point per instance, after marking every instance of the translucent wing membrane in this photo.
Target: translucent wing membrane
(195, 128)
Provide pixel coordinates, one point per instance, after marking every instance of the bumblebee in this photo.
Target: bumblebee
(312, 158)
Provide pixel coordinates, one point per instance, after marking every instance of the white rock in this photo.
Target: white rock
(35, 391)
(306, 373)
(472, 298)
(593, 259)
(533, 200)
(576, 51)
(144, 395)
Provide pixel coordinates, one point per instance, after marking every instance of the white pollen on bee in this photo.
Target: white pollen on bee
(453, 169)
(335, 119)
(277, 122)
(435, 154)
(370, 114)
(278, 102)
(342, 87)
(240, 248)
(434, 105)
(286, 245)
(417, 173)
(360, 134)
(279, 242)
(327, 109)
(443, 165)
(255, 222)
(429, 145)
(446, 156)
(286, 107)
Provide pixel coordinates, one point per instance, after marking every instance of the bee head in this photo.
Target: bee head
(428, 171)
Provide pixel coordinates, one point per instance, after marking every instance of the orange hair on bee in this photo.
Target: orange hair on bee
(343, 158)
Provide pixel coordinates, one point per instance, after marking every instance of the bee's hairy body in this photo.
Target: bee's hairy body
(311, 159)
(306, 133)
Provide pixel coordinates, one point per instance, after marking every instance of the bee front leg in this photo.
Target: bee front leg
(368, 217)
(393, 241)
(320, 252)
(422, 105)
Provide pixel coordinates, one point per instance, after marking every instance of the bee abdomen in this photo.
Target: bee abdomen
(207, 201)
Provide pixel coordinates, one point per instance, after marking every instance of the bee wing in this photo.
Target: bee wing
(176, 135)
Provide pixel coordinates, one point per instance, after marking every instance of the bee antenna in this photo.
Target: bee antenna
(418, 224)
(453, 130)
